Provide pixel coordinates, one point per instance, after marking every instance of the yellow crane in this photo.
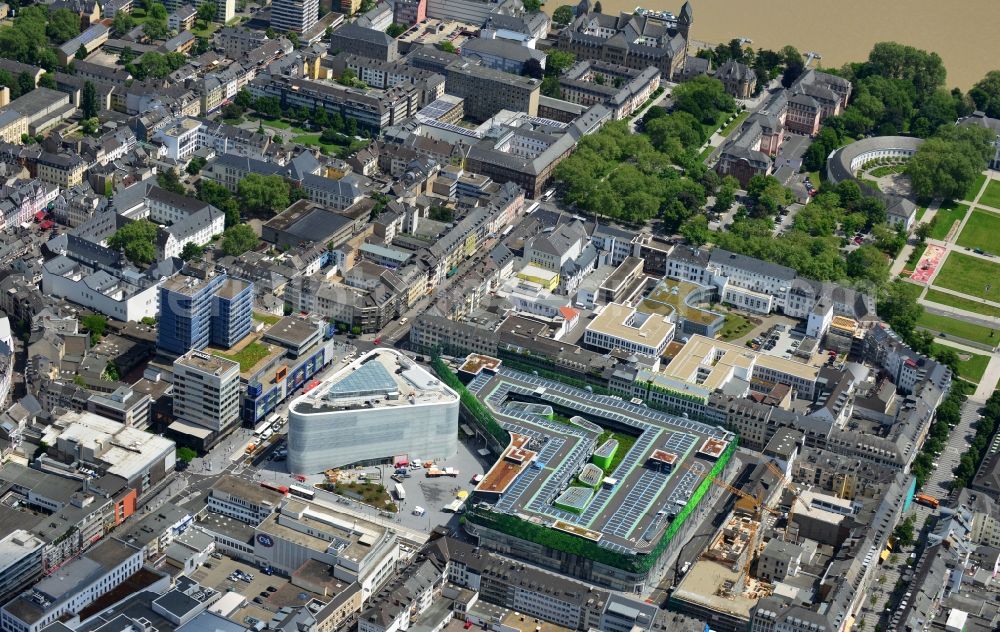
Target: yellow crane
(734, 491)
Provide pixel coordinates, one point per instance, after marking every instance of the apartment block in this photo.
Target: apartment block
(202, 307)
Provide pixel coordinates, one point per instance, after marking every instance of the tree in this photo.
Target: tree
(170, 181)
(269, 107)
(96, 325)
(946, 165)
(123, 22)
(47, 81)
(395, 30)
(244, 99)
(232, 113)
(63, 26)
(88, 100)
(186, 455)
(195, 165)
(533, 68)
(155, 26)
(563, 14)
(696, 231)
(220, 197)
(238, 239)
(868, 263)
(127, 56)
(703, 97)
(25, 83)
(81, 52)
(597, 7)
(447, 47)
(206, 12)
(904, 532)
(794, 66)
(191, 251)
(137, 240)
(89, 125)
(264, 194)
(899, 308)
(558, 61)
(986, 94)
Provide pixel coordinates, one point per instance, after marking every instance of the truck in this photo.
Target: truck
(435, 472)
(927, 501)
(251, 447)
(399, 491)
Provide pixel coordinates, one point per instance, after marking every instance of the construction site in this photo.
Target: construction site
(735, 569)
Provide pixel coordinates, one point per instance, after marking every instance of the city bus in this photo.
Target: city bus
(301, 492)
(262, 425)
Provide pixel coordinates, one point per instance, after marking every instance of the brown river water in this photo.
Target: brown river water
(962, 32)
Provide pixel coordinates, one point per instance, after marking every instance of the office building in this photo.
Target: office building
(72, 587)
(379, 406)
(620, 327)
(487, 91)
(202, 307)
(297, 16)
(20, 561)
(243, 500)
(133, 458)
(206, 390)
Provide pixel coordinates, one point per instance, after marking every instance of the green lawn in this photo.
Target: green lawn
(278, 124)
(206, 32)
(971, 366)
(872, 183)
(734, 327)
(742, 116)
(912, 289)
(920, 212)
(705, 153)
(946, 216)
(974, 189)
(970, 275)
(943, 298)
(958, 328)
(982, 230)
(991, 196)
(625, 443)
(267, 319)
(248, 356)
(885, 170)
(815, 178)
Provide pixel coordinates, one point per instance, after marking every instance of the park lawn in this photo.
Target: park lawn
(885, 170)
(248, 356)
(969, 275)
(972, 367)
(728, 129)
(946, 216)
(982, 230)
(267, 319)
(991, 196)
(950, 300)
(912, 289)
(974, 188)
(959, 328)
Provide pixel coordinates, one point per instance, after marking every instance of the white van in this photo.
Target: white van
(419, 511)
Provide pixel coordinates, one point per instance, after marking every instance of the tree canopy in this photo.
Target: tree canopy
(946, 165)
(63, 26)
(264, 194)
(155, 27)
(986, 94)
(238, 239)
(137, 240)
(703, 97)
(563, 14)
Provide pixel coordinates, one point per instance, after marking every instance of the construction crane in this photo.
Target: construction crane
(791, 512)
(774, 469)
(732, 490)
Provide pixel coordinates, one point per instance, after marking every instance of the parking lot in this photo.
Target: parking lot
(285, 594)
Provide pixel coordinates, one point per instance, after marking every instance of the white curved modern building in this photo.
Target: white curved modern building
(381, 405)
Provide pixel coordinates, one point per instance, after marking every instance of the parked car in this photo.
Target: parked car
(258, 601)
(271, 589)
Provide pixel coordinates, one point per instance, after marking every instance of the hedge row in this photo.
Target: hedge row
(469, 402)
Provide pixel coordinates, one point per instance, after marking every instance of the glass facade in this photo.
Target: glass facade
(197, 312)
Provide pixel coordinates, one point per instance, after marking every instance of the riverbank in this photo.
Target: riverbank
(963, 34)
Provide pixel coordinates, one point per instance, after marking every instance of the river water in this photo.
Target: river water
(962, 32)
